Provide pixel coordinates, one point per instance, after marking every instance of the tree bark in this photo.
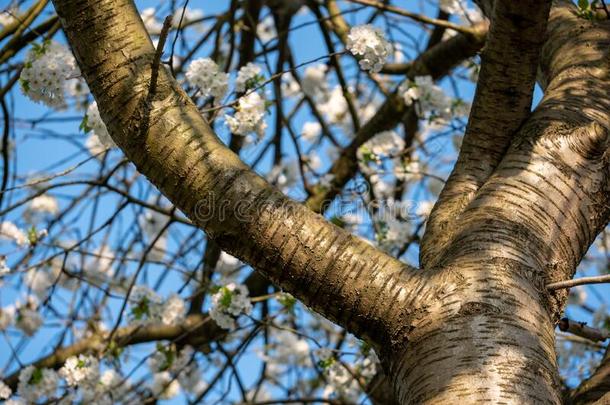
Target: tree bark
(478, 325)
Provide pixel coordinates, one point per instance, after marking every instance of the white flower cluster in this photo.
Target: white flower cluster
(343, 382)
(249, 116)
(450, 6)
(100, 139)
(153, 26)
(7, 16)
(314, 82)
(285, 351)
(391, 232)
(167, 365)
(205, 74)
(430, 100)
(248, 77)
(10, 231)
(4, 269)
(311, 131)
(228, 303)
(37, 383)
(81, 371)
(5, 391)
(24, 315)
(147, 307)
(386, 143)
(190, 15)
(41, 207)
(153, 224)
(368, 43)
(44, 78)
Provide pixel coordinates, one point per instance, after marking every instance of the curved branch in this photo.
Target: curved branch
(337, 274)
(501, 105)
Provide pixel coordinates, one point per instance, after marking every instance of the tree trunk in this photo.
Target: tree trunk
(477, 324)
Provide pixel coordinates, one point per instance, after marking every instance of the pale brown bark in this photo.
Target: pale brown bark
(335, 273)
(476, 326)
(501, 105)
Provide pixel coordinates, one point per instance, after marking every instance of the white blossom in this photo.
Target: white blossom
(10, 231)
(99, 265)
(44, 204)
(82, 370)
(37, 383)
(287, 349)
(7, 317)
(173, 311)
(145, 304)
(265, 29)
(391, 231)
(430, 100)
(190, 15)
(5, 390)
(95, 122)
(15, 401)
(152, 223)
(164, 385)
(450, 6)
(95, 146)
(368, 43)
(47, 69)
(228, 303)
(247, 77)
(7, 16)
(314, 82)
(153, 26)
(4, 269)
(249, 116)
(386, 143)
(205, 74)
(27, 318)
(311, 131)
(335, 108)
(424, 208)
(39, 281)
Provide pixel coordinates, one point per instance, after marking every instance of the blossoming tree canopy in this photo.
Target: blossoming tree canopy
(274, 201)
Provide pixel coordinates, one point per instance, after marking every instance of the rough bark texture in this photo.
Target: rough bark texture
(529, 222)
(335, 273)
(478, 324)
(501, 104)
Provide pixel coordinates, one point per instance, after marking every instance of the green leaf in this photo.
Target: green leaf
(36, 376)
(324, 364)
(84, 124)
(227, 297)
(33, 235)
(287, 301)
(25, 85)
(338, 221)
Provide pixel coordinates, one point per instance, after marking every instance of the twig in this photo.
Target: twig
(606, 9)
(167, 23)
(417, 17)
(578, 281)
(581, 329)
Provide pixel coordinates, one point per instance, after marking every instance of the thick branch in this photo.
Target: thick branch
(337, 274)
(501, 104)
